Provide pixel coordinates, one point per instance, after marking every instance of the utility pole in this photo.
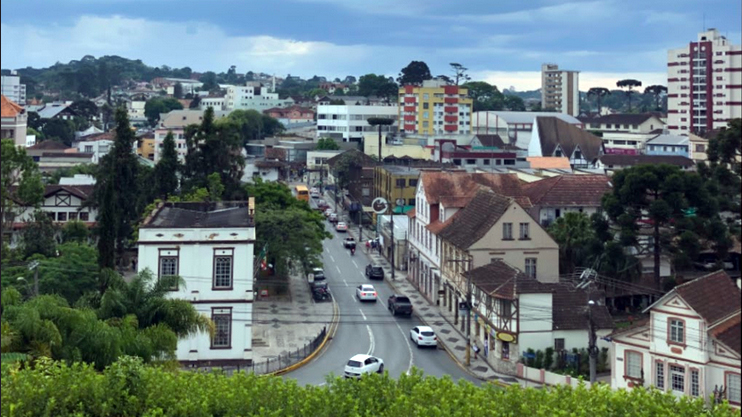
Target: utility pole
(592, 338)
(34, 266)
(392, 236)
(469, 262)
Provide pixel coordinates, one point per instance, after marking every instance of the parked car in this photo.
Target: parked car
(360, 365)
(349, 242)
(366, 292)
(374, 272)
(423, 336)
(341, 227)
(399, 304)
(322, 205)
(320, 291)
(317, 274)
(332, 218)
(328, 212)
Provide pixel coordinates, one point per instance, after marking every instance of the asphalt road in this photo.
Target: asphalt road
(368, 327)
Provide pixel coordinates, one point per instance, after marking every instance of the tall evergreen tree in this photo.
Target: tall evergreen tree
(116, 193)
(167, 168)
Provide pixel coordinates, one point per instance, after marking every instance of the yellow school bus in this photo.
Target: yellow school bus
(302, 193)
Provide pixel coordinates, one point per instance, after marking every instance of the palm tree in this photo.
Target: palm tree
(656, 91)
(598, 93)
(573, 232)
(629, 84)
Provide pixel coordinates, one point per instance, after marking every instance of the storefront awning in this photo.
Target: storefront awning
(402, 209)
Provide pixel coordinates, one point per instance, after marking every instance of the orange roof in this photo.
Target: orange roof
(8, 108)
(548, 162)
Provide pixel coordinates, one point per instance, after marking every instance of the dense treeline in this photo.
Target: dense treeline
(128, 388)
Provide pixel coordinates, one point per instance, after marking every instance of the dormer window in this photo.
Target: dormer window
(676, 331)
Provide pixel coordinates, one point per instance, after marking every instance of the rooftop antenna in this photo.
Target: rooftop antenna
(704, 21)
(274, 83)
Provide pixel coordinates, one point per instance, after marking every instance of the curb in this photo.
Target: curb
(328, 336)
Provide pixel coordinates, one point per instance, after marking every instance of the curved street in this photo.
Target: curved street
(367, 327)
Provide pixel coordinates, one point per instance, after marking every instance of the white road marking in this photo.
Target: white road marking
(362, 274)
(382, 303)
(354, 263)
(333, 259)
(346, 282)
(409, 348)
(364, 316)
(371, 341)
(338, 268)
(354, 298)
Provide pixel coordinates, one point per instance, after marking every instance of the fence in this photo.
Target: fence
(545, 377)
(283, 361)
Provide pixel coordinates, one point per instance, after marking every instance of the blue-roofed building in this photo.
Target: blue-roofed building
(666, 144)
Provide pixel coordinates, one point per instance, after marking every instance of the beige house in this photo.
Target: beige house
(698, 148)
(13, 121)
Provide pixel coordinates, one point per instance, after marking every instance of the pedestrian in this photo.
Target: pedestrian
(476, 350)
(486, 346)
(368, 245)
(134, 264)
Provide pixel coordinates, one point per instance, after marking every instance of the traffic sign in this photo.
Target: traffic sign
(380, 205)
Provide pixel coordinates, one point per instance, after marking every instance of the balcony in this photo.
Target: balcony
(451, 109)
(451, 100)
(451, 119)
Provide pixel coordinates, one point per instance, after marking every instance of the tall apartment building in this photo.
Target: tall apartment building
(560, 89)
(13, 89)
(435, 108)
(704, 84)
(252, 97)
(349, 121)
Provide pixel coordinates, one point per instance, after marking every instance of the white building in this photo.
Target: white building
(560, 89)
(216, 103)
(210, 246)
(13, 89)
(176, 121)
(252, 97)
(349, 122)
(515, 127)
(135, 110)
(625, 133)
(704, 84)
(97, 145)
(689, 345)
(317, 168)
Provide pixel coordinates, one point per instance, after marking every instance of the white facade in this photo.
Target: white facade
(217, 103)
(216, 264)
(704, 84)
(425, 246)
(514, 127)
(252, 98)
(176, 121)
(349, 122)
(135, 109)
(560, 89)
(13, 89)
(98, 148)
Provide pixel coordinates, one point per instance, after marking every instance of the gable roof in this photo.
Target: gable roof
(713, 296)
(494, 141)
(476, 219)
(553, 132)
(633, 160)
(366, 160)
(201, 215)
(667, 139)
(8, 108)
(83, 192)
(437, 184)
(622, 118)
(49, 145)
(502, 280)
(729, 332)
(51, 110)
(568, 190)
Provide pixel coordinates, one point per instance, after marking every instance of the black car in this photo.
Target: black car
(399, 304)
(374, 272)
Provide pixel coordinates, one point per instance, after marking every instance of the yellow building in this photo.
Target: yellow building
(396, 182)
(146, 146)
(434, 108)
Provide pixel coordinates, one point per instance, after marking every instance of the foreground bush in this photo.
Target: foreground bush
(129, 388)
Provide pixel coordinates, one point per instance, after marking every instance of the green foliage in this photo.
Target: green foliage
(414, 74)
(598, 93)
(326, 144)
(71, 274)
(347, 163)
(629, 85)
(485, 96)
(178, 90)
(726, 146)
(85, 109)
(60, 130)
(39, 136)
(38, 235)
(20, 184)
(548, 358)
(252, 125)
(167, 168)
(377, 85)
(656, 91)
(75, 231)
(128, 388)
(573, 232)
(157, 105)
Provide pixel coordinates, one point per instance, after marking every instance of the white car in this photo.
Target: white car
(341, 227)
(423, 336)
(366, 292)
(360, 365)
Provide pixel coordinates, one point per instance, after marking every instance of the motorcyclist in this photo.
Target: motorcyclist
(352, 250)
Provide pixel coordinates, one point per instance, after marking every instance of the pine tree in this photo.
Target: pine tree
(116, 192)
(167, 168)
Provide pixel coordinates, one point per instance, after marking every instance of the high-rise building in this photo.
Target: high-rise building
(13, 89)
(434, 108)
(704, 84)
(560, 89)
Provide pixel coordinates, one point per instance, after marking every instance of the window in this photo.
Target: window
(507, 231)
(659, 375)
(400, 182)
(524, 232)
(52, 215)
(677, 378)
(84, 216)
(222, 318)
(426, 96)
(471, 162)
(62, 216)
(633, 364)
(505, 350)
(426, 115)
(88, 148)
(425, 124)
(168, 265)
(223, 269)
(531, 267)
(72, 215)
(426, 106)
(413, 182)
(695, 383)
(677, 331)
(700, 148)
(559, 345)
(733, 388)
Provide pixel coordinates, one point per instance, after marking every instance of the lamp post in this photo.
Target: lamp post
(592, 348)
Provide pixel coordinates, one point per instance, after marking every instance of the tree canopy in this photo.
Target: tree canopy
(158, 105)
(377, 85)
(414, 74)
(326, 144)
(167, 168)
(20, 185)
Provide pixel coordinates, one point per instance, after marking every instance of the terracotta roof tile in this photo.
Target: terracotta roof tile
(9, 108)
(553, 131)
(713, 296)
(729, 332)
(568, 190)
(549, 162)
(412, 213)
(476, 219)
(437, 184)
(50, 145)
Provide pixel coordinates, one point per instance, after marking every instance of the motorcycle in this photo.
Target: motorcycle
(352, 251)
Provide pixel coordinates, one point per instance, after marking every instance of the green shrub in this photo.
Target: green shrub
(129, 388)
(548, 358)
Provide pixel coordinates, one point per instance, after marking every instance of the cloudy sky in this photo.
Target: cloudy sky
(503, 42)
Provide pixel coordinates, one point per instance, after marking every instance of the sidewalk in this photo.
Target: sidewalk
(450, 336)
(282, 325)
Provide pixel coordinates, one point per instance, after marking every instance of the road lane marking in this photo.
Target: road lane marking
(354, 263)
(371, 341)
(346, 282)
(338, 268)
(409, 348)
(364, 316)
(362, 274)
(382, 303)
(333, 259)
(354, 298)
